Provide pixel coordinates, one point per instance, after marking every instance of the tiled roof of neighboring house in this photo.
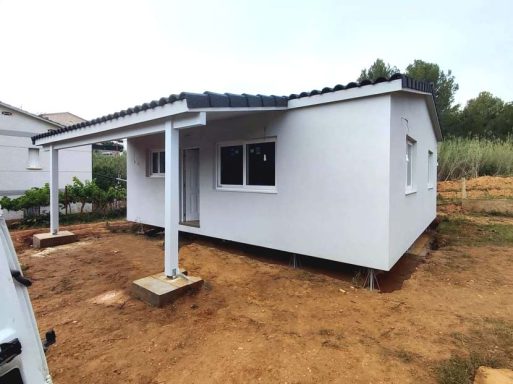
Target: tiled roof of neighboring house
(230, 100)
(63, 118)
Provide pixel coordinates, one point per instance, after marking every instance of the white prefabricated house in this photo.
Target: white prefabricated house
(345, 173)
(24, 165)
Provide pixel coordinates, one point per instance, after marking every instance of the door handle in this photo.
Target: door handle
(16, 275)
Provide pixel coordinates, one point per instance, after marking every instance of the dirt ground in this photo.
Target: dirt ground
(479, 187)
(258, 320)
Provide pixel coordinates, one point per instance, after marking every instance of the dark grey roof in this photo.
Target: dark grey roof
(230, 100)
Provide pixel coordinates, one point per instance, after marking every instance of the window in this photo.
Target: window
(157, 163)
(247, 165)
(431, 170)
(410, 164)
(33, 158)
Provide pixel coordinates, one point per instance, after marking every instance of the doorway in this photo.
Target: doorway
(190, 185)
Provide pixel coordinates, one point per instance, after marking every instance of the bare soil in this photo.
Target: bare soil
(479, 187)
(257, 319)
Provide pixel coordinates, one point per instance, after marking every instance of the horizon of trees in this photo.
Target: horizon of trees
(483, 117)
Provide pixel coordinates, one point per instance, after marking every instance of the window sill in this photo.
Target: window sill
(250, 190)
(34, 168)
(410, 192)
(431, 187)
(157, 176)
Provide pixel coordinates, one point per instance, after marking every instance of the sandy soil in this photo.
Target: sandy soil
(256, 319)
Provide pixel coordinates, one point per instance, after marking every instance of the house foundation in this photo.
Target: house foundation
(159, 290)
(44, 240)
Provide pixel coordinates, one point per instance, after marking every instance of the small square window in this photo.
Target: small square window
(33, 158)
(157, 163)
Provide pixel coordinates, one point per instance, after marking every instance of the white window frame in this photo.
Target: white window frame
(34, 165)
(150, 163)
(410, 165)
(244, 187)
(431, 170)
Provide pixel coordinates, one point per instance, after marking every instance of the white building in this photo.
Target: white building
(346, 173)
(24, 165)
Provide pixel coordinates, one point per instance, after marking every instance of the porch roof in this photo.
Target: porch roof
(218, 102)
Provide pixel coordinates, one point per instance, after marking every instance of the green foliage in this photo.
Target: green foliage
(378, 69)
(461, 370)
(106, 169)
(485, 116)
(445, 85)
(468, 158)
(79, 192)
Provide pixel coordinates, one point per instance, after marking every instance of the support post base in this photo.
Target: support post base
(44, 240)
(159, 290)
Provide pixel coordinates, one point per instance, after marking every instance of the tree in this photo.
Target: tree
(444, 89)
(378, 69)
(486, 116)
(106, 169)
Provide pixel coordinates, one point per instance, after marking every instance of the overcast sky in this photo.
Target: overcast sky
(97, 57)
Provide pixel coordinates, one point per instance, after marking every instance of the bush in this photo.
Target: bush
(474, 157)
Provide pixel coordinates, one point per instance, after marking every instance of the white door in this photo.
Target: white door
(22, 360)
(191, 184)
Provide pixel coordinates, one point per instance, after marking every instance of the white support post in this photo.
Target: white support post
(172, 200)
(54, 191)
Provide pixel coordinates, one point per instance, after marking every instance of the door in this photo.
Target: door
(22, 359)
(191, 192)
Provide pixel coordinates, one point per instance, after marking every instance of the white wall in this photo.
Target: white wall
(15, 175)
(410, 214)
(145, 195)
(332, 166)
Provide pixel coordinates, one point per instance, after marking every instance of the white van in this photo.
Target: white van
(22, 357)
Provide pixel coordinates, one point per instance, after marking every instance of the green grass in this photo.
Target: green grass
(461, 370)
(473, 157)
(457, 230)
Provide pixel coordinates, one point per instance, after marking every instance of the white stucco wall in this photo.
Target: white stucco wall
(15, 175)
(332, 165)
(410, 214)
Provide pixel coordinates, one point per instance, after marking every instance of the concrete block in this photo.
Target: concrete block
(159, 290)
(44, 240)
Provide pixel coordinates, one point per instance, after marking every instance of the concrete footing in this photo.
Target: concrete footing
(44, 240)
(159, 290)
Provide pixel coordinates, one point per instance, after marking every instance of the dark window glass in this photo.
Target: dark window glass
(155, 162)
(162, 162)
(231, 165)
(261, 164)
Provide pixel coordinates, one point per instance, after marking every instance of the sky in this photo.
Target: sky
(97, 57)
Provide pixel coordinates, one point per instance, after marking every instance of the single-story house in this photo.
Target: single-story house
(24, 165)
(345, 173)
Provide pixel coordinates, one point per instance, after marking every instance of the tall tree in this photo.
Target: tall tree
(378, 69)
(445, 87)
(486, 116)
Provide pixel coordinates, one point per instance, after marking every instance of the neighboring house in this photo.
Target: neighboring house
(345, 173)
(110, 148)
(24, 165)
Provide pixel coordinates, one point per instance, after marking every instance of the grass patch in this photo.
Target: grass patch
(405, 356)
(461, 370)
(460, 231)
